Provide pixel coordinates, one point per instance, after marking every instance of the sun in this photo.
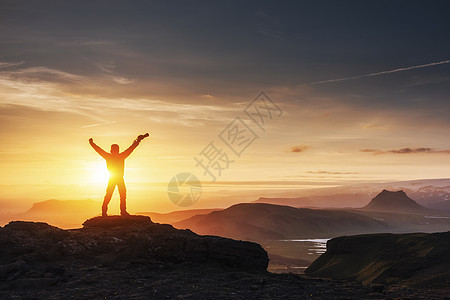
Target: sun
(98, 172)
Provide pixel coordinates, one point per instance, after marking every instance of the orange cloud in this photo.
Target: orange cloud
(405, 151)
(298, 149)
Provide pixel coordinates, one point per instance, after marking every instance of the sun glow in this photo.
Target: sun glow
(98, 172)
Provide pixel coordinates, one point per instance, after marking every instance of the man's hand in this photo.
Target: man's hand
(91, 140)
(142, 136)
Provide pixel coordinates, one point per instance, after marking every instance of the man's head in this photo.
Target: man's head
(114, 149)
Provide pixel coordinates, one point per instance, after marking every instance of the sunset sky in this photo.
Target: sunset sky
(364, 89)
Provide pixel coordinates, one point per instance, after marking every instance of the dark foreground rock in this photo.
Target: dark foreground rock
(133, 258)
(116, 239)
(417, 259)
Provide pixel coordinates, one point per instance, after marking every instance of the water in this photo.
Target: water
(315, 246)
(300, 253)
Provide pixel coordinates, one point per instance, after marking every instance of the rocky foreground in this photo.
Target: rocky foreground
(134, 258)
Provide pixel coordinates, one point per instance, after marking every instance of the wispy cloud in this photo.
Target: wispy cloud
(272, 34)
(37, 75)
(332, 172)
(53, 90)
(121, 80)
(10, 64)
(379, 73)
(98, 124)
(109, 69)
(371, 126)
(106, 67)
(405, 151)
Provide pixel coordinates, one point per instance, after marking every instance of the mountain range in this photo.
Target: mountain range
(63, 213)
(387, 212)
(260, 221)
(426, 192)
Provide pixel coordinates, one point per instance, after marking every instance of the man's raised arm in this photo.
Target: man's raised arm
(133, 146)
(99, 150)
(130, 149)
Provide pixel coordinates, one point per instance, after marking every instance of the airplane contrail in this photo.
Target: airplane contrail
(98, 124)
(379, 73)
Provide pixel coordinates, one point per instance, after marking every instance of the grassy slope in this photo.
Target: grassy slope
(418, 259)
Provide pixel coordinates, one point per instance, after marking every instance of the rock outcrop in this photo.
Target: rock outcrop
(114, 239)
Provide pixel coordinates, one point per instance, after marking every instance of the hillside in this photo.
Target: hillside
(259, 221)
(320, 201)
(176, 216)
(443, 205)
(417, 259)
(388, 201)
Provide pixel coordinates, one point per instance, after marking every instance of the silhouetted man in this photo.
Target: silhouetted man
(115, 162)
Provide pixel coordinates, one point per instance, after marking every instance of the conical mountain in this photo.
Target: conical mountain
(398, 201)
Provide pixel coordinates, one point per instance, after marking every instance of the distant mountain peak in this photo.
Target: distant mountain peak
(62, 206)
(393, 192)
(393, 201)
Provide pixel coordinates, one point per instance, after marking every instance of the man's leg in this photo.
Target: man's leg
(109, 191)
(123, 196)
